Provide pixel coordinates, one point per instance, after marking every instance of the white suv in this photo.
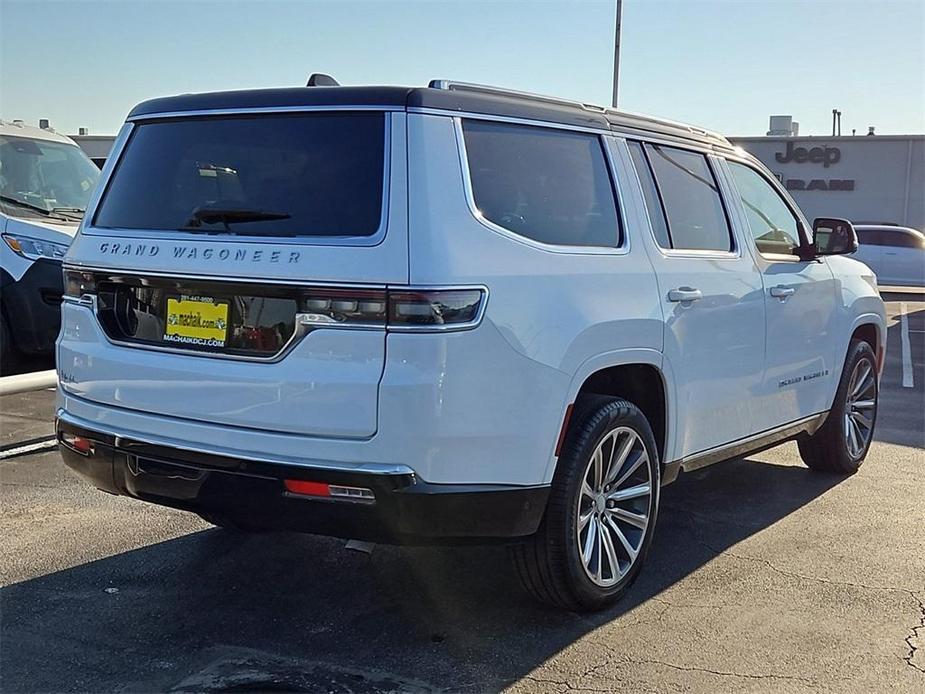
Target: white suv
(449, 314)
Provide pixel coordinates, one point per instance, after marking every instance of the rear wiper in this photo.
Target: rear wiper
(73, 211)
(229, 215)
(23, 203)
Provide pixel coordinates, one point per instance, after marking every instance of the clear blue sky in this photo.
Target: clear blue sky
(723, 65)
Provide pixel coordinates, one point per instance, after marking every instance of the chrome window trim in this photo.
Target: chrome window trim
(119, 433)
(622, 249)
(514, 120)
(76, 266)
(774, 184)
(736, 251)
(374, 239)
(161, 115)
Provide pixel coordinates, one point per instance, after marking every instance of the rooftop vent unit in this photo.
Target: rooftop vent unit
(783, 126)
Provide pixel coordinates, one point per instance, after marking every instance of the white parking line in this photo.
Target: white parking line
(43, 445)
(908, 382)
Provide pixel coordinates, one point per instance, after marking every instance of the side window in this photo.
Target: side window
(900, 239)
(871, 237)
(773, 226)
(548, 185)
(650, 192)
(690, 194)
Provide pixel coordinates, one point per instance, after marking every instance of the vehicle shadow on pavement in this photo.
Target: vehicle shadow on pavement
(216, 611)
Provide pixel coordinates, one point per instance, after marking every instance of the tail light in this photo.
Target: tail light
(78, 283)
(401, 310)
(410, 310)
(434, 309)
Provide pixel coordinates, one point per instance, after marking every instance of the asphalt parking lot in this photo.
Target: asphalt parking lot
(763, 577)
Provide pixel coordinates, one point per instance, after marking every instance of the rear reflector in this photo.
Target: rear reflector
(564, 430)
(308, 488)
(78, 444)
(329, 491)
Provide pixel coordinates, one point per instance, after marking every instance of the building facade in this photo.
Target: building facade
(96, 147)
(866, 178)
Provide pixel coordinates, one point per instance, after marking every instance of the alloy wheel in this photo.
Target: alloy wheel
(860, 408)
(613, 506)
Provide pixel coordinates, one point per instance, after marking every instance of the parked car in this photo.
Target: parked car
(45, 183)
(451, 314)
(896, 254)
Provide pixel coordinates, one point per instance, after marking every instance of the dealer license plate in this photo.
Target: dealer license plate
(196, 320)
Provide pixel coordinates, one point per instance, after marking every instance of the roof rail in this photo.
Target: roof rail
(616, 117)
(453, 85)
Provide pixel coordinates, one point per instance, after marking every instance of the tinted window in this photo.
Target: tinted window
(871, 238)
(549, 185)
(653, 204)
(770, 220)
(280, 175)
(887, 237)
(900, 239)
(696, 219)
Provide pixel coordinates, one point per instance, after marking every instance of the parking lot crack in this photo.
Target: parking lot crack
(913, 638)
(725, 673)
(784, 572)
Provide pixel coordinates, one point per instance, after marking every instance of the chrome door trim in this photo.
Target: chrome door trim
(754, 443)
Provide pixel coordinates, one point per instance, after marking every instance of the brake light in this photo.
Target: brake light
(78, 284)
(434, 309)
(359, 307)
(407, 310)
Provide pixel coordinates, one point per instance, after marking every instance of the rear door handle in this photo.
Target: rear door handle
(684, 294)
(782, 292)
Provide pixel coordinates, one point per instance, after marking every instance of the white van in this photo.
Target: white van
(45, 183)
(451, 314)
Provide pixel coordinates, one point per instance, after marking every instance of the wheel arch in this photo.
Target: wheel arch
(870, 328)
(635, 375)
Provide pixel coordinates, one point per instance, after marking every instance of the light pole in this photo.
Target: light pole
(616, 53)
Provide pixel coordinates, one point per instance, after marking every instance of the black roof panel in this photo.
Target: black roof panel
(490, 101)
(270, 98)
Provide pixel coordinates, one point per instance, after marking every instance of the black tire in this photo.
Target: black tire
(235, 525)
(9, 355)
(549, 563)
(828, 450)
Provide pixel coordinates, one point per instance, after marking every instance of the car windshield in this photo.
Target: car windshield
(39, 178)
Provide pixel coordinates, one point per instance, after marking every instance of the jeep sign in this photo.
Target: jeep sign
(817, 155)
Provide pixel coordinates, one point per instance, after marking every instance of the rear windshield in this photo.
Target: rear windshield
(270, 175)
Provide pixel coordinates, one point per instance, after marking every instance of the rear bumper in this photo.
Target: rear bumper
(405, 510)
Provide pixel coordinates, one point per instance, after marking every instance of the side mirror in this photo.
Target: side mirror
(833, 236)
